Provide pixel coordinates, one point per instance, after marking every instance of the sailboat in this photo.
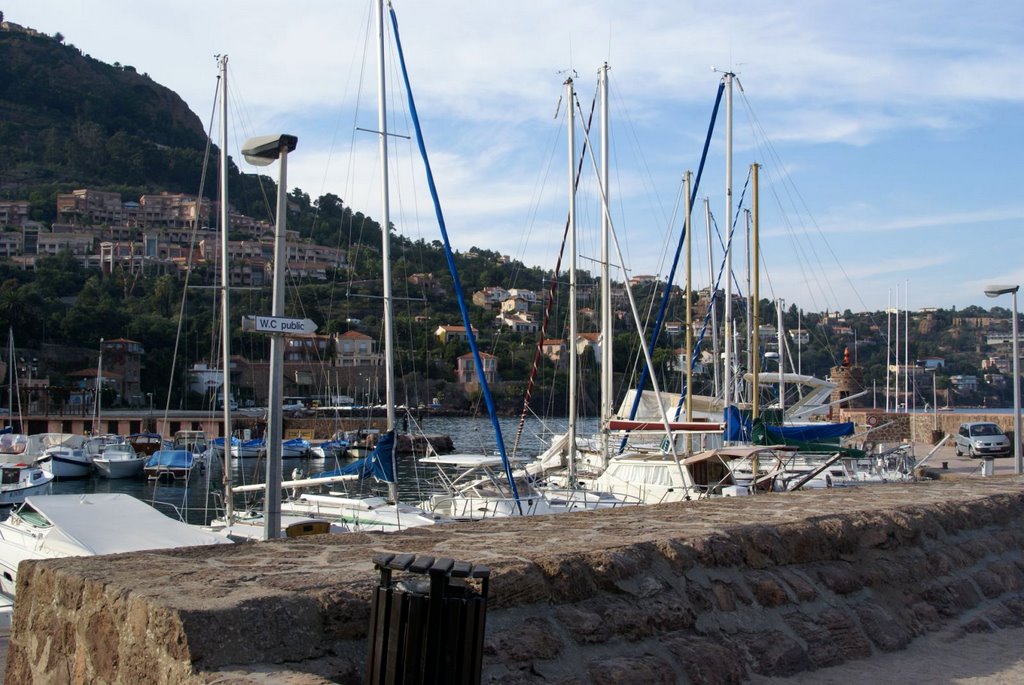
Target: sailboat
(362, 512)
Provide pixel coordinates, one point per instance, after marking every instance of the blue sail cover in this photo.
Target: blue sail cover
(815, 433)
(738, 429)
(379, 463)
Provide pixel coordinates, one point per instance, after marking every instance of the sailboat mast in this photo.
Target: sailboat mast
(99, 391)
(782, 359)
(225, 278)
(10, 375)
(755, 295)
(688, 211)
(727, 368)
(888, 347)
(716, 360)
(385, 237)
(606, 284)
(573, 361)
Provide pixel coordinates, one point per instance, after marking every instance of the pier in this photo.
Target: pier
(712, 591)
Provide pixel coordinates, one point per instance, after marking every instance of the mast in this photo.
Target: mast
(727, 324)
(606, 284)
(755, 295)
(573, 361)
(688, 211)
(750, 305)
(10, 375)
(782, 361)
(888, 347)
(99, 391)
(906, 346)
(716, 360)
(385, 237)
(225, 279)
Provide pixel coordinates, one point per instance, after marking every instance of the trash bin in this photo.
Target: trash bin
(427, 626)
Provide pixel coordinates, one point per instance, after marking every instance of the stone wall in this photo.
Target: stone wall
(918, 427)
(708, 592)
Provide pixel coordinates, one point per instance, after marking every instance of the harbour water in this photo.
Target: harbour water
(200, 499)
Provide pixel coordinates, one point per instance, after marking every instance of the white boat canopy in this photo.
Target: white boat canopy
(110, 523)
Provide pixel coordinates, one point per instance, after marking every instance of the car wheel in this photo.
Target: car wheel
(971, 453)
(958, 452)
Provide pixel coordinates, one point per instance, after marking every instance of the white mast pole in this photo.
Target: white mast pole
(782, 358)
(727, 366)
(716, 360)
(606, 284)
(571, 126)
(896, 353)
(225, 279)
(689, 305)
(888, 347)
(99, 389)
(906, 346)
(385, 229)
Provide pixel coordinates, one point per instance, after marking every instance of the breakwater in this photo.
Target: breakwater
(709, 592)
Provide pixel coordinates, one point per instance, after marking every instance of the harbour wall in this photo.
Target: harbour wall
(699, 592)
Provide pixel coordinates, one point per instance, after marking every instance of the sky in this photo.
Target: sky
(888, 134)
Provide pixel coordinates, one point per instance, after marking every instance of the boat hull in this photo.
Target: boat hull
(120, 468)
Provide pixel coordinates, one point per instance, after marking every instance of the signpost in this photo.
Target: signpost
(278, 324)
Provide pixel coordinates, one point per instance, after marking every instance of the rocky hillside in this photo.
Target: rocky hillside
(67, 119)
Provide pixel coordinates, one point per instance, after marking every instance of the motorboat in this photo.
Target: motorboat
(119, 460)
(296, 448)
(146, 443)
(249, 449)
(169, 465)
(18, 481)
(330, 449)
(54, 526)
(67, 460)
(13, 447)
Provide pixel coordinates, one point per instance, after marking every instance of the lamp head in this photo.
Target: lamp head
(264, 150)
(997, 290)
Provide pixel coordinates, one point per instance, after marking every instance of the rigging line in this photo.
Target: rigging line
(817, 228)
(478, 363)
(679, 248)
(191, 248)
(552, 292)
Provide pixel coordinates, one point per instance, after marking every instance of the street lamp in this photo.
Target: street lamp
(935, 405)
(262, 151)
(996, 291)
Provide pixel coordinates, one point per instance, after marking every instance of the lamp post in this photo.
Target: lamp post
(996, 291)
(262, 151)
(935, 404)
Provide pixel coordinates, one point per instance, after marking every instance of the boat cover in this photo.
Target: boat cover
(171, 459)
(739, 428)
(109, 523)
(379, 463)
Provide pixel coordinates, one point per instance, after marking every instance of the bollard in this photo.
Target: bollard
(988, 466)
(426, 630)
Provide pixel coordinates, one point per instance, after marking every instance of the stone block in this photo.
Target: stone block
(535, 638)
(646, 668)
(883, 629)
(706, 660)
(832, 637)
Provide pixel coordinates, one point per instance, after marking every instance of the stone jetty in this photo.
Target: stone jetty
(698, 592)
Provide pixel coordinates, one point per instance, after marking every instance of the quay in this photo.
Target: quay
(721, 591)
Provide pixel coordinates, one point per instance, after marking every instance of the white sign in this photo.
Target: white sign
(278, 324)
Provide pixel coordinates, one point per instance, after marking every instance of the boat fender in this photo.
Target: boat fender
(828, 480)
(873, 420)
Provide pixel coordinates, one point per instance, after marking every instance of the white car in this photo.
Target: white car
(982, 439)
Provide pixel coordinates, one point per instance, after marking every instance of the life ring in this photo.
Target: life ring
(873, 420)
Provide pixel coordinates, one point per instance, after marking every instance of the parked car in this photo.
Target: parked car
(982, 439)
